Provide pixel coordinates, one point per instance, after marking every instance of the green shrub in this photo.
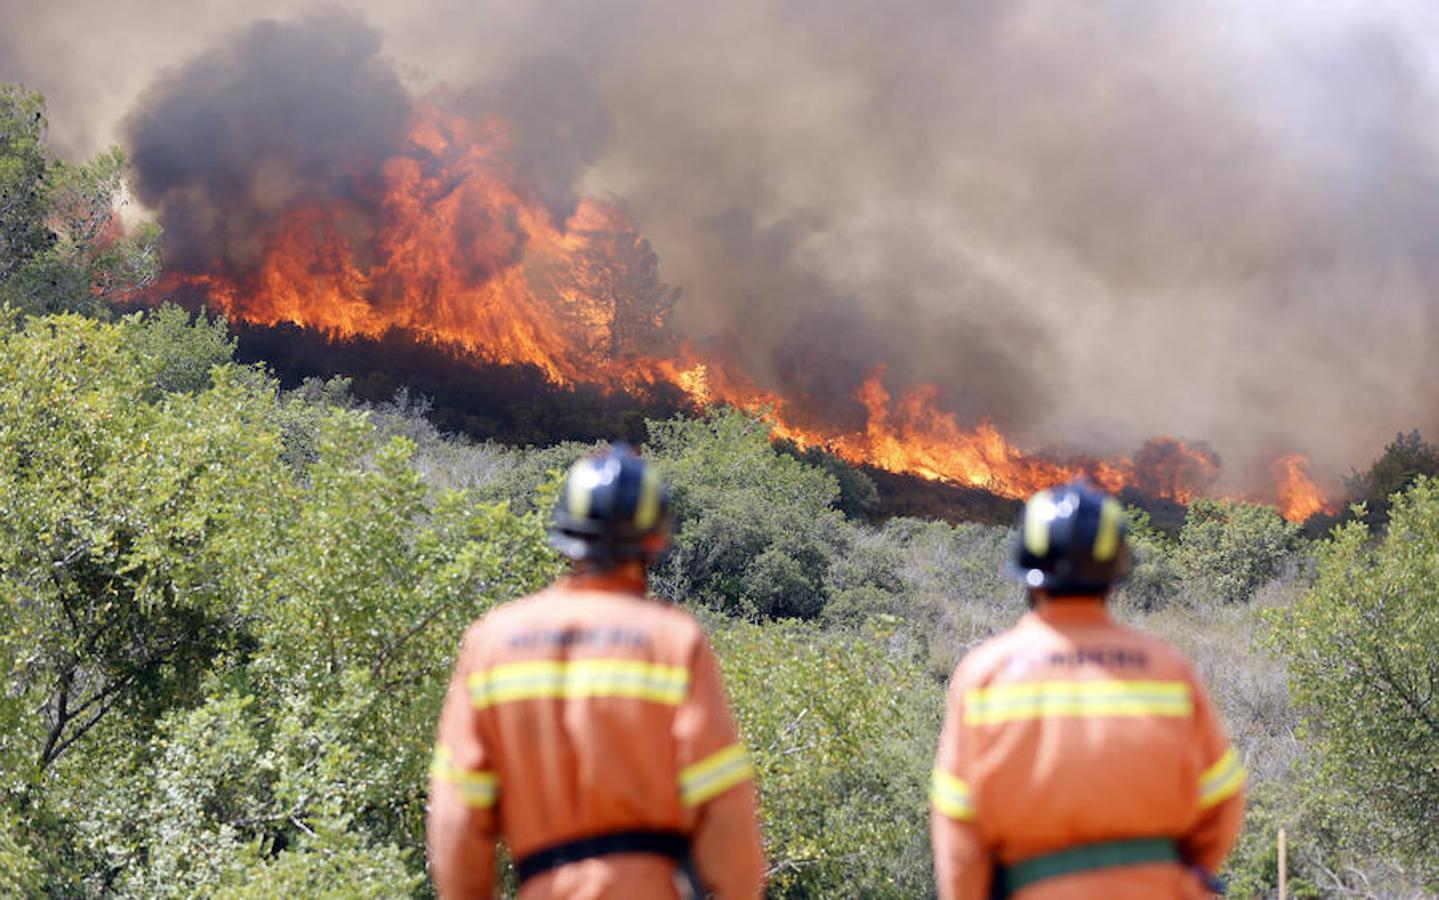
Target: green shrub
(843, 738)
(1364, 670)
(1229, 549)
(1154, 578)
(755, 530)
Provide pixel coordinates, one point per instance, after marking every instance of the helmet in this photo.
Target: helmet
(613, 506)
(1071, 541)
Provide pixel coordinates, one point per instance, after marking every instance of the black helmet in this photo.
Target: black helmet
(1071, 541)
(613, 506)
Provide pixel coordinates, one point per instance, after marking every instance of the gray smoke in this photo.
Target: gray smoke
(281, 115)
(1092, 223)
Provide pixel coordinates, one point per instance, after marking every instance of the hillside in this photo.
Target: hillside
(228, 650)
(229, 604)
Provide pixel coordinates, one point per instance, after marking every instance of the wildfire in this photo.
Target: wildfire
(447, 244)
(1299, 497)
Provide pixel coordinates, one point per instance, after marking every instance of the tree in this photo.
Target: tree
(1229, 549)
(216, 653)
(121, 524)
(61, 245)
(1404, 459)
(1364, 668)
(24, 191)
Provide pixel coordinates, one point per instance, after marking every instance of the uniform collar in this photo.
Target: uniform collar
(1069, 610)
(605, 582)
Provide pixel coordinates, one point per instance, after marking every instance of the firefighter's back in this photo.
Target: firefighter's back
(576, 692)
(587, 726)
(1082, 731)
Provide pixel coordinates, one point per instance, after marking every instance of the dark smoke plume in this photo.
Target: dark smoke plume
(280, 115)
(1093, 223)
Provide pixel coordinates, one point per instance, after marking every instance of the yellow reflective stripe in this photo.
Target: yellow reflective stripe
(951, 796)
(1076, 699)
(714, 775)
(571, 679)
(479, 789)
(1038, 513)
(579, 490)
(647, 510)
(1222, 780)
(1106, 539)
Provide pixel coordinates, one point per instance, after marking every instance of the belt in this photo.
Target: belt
(1084, 858)
(660, 843)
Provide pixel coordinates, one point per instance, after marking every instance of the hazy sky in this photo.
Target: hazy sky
(1090, 222)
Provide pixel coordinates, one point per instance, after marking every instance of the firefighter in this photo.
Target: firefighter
(1079, 758)
(588, 728)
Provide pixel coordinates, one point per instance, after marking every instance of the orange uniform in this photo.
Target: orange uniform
(580, 714)
(1074, 733)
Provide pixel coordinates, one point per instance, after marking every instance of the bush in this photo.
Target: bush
(858, 497)
(1229, 549)
(843, 739)
(179, 351)
(1365, 671)
(755, 530)
(1154, 578)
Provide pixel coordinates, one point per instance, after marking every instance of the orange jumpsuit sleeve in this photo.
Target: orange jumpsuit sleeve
(1221, 789)
(461, 827)
(716, 786)
(962, 865)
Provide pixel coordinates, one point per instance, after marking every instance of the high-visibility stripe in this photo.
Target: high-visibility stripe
(569, 679)
(479, 789)
(1076, 699)
(714, 775)
(647, 510)
(951, 796)
(1222, 780)
(1106, 537)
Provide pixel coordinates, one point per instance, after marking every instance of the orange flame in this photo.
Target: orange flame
(445, 244)
(1299, 497)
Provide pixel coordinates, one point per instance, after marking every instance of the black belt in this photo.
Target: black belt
(660, 843)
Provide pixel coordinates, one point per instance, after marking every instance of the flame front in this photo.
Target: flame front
(445, 243)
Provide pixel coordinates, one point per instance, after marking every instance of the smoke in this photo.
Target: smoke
(281, 115)
(1092, 224)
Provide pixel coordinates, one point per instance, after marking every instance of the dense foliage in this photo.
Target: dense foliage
(61, 248)
(1365, 670)
(221, 653)
(1231, 549)
(842, 737)
(1405, 459)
